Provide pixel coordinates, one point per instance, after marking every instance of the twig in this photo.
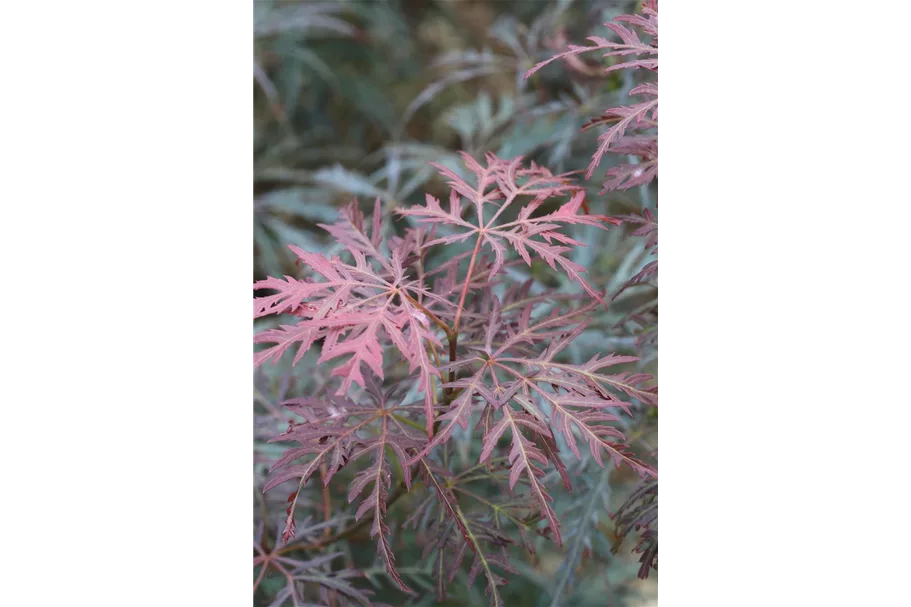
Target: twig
(345, 533)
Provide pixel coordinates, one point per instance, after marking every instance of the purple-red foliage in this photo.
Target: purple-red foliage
(643, 116)
(478, 349)
(383, 306)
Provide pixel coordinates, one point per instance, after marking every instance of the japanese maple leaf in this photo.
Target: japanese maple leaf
(338, 432)
(640, 514)
(637, 55)
(642, 115)
(355, 308)
(274, 559)
(457, 531)
(625, 176)
(497, 187)
(511, 387)
(630, 45)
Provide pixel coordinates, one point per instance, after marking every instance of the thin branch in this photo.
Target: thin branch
(345, 533)
(429, 314)
(327, 506)
(454, 337)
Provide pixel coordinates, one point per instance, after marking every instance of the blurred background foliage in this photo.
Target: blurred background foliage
(353, 98)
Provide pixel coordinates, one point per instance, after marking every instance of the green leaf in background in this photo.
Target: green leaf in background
(343, 180)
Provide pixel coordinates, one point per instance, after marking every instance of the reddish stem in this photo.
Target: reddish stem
(454, 337)
(327, 506)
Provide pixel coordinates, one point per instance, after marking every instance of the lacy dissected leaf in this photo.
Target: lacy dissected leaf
(534, 397)
(620, 118)
(644, 317)
(526, 458)
(298, 574)
(356, 309)
(626, 176)
(498, 184)
(649, 229)
(577, 393)
(640, 513)
(455, 531)
(573, 413)
(630, 45)
(643, 115)
(379, 475)
(338, 432)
